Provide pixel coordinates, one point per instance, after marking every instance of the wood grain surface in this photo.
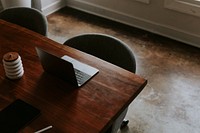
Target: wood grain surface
(89, 109)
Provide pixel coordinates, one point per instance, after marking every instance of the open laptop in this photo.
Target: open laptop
(66, 68)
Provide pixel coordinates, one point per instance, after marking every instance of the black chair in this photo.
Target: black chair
(29, 18)
(109, 49)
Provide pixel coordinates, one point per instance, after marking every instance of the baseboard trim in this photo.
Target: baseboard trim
(53, 7)
(164, 30)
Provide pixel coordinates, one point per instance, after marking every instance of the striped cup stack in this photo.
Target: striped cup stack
(13, 65)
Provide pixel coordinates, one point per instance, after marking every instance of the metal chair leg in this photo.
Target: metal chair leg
(124, 124)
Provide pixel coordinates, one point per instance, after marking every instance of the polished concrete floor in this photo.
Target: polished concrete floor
(170, 103)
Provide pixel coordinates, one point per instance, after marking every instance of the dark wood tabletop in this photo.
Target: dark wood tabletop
(89, 109)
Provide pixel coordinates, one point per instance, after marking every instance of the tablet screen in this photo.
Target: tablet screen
(16, 116)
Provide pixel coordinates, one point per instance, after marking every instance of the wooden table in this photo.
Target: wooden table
(89, 109)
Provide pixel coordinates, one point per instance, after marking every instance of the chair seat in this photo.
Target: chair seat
(105, 47)
(29, 18)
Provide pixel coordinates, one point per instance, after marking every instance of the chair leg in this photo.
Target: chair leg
(124, 124)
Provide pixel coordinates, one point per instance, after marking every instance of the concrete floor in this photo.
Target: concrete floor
(170, 103)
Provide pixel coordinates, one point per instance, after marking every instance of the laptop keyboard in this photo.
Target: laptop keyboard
(83, 72)
(81, 76)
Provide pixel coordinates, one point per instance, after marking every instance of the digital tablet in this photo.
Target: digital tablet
(16, 116)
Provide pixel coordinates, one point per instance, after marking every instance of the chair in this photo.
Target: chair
(109, 49)
(29, 18)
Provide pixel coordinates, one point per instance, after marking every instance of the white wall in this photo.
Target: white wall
(153, 17)
(46, 6)
(49, 6)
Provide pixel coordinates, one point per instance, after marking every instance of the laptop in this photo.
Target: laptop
(66, 68)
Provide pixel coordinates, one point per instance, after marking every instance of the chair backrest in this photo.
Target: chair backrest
(105, 47)
(29, 18)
